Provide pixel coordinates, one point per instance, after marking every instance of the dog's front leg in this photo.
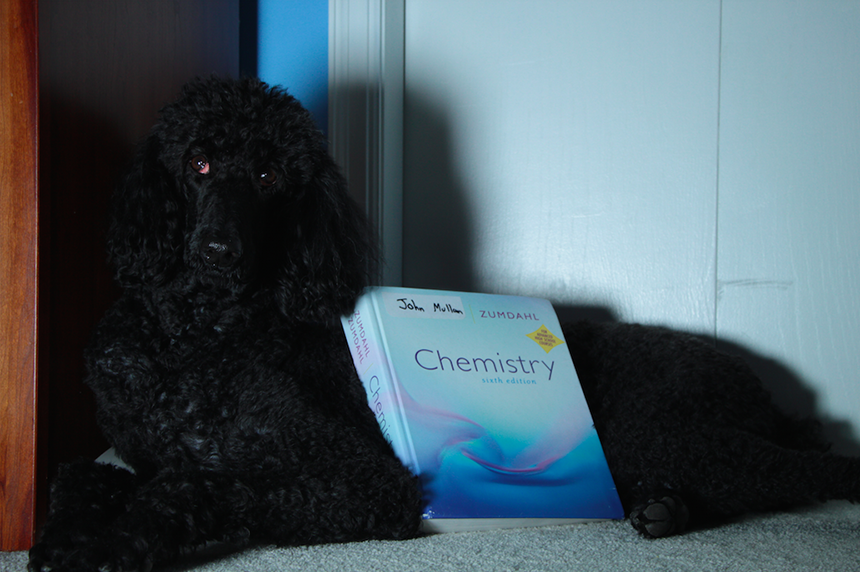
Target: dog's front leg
(104, 518)
(86, 498)
(175, 512)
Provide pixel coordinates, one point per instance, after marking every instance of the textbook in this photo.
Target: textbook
(478, 396)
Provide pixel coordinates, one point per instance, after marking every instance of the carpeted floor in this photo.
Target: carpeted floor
(823, 537)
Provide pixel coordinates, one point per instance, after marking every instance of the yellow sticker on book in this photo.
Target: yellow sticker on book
(545, 339)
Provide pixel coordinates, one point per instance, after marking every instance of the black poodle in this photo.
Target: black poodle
(223, 377)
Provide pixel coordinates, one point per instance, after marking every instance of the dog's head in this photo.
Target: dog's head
(233, 191)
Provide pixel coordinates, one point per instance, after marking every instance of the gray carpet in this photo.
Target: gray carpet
(824, 537)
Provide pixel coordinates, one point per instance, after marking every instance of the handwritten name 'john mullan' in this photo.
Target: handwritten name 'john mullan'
(411, 305)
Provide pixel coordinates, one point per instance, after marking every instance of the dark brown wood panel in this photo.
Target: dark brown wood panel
(18, 271)
(86, 79)
(106, 68)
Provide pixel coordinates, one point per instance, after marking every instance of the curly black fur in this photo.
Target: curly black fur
(224, 380)
(690, 434)
(222, 375)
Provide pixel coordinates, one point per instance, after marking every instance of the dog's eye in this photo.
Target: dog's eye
(199, 164)
(268, 177)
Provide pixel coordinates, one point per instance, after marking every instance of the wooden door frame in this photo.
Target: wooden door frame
(19, 267)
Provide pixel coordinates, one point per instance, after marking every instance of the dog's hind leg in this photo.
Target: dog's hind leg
(663, 514)
(739, 472)
(756, 474)
(86, 498)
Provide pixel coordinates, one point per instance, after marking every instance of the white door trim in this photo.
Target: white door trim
(365, 86)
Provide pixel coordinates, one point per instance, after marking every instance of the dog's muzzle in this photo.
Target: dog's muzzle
(222, 253)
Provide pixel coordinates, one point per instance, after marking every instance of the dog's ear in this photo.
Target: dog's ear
(144, 238)
(332, 254)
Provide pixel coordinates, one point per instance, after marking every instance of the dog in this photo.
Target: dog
(224, 380)
(221, 375)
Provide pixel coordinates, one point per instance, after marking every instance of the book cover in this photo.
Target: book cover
(478, 395)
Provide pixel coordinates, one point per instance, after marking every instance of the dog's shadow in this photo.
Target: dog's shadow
(440, 239)
(438, 220)
(791, 394)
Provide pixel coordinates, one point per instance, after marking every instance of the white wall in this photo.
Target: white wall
(789, 192)
(692, 164)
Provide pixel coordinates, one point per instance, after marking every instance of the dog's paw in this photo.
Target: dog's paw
(41, 559)
(117, 558)
(660, 516)
(45, 558)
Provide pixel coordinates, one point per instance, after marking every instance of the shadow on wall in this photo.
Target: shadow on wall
(438, 221)
(439, 247)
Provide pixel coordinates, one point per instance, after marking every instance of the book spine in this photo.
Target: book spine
(368, 346)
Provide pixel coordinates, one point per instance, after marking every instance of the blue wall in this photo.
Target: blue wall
(292, 51)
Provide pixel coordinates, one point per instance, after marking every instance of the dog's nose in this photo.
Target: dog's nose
(222, 253)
